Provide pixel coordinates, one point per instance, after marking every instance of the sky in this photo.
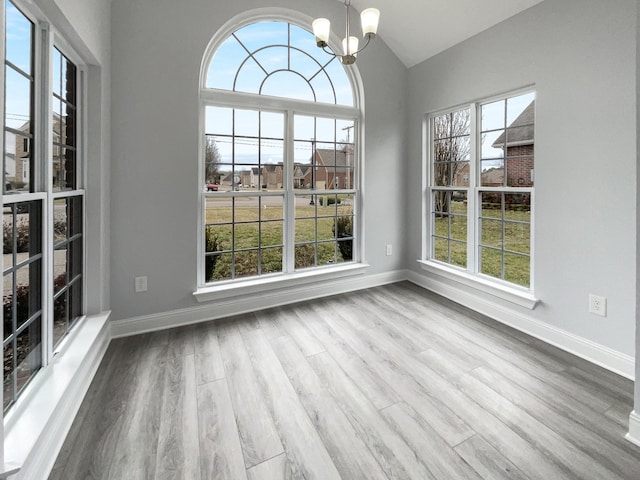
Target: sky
(18, 52)
(278, 52)
(285, 62)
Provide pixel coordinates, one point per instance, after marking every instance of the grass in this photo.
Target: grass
(496, 242)
(257, 236)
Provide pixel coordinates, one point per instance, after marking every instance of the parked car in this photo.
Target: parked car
(211, 187)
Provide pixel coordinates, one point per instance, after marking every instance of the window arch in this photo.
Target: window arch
(289, 52)
(280, 153)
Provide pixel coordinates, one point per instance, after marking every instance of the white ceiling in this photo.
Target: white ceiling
(418, 29)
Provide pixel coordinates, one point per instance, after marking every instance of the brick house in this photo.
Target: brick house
(17, 166)
(250, 178)
(272, 176)
(518, 143)
(334, 169)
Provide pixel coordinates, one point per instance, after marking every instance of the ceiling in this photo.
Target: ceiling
(418, 29)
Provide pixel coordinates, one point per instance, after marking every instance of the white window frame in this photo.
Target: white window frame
(470, 276)
(289, 108)
(45, 38)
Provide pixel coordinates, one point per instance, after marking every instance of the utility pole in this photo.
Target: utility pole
(347, 152)
(313, 169)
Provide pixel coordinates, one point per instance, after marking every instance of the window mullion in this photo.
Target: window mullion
(290, 209)
(42, 174)
(473, 211)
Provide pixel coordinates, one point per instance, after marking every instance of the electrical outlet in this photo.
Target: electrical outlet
(389, 250)
(598, 305)
(141, 284)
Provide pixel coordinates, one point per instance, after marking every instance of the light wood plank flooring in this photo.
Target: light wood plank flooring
(388, 383)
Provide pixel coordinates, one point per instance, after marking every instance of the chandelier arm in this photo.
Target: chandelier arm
(328, 51)
(365, 45)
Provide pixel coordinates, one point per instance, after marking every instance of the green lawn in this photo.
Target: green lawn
(261, 230)
(514, 237)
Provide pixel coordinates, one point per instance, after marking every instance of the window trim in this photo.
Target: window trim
(46, 37)
(288, 107)
(470, 276)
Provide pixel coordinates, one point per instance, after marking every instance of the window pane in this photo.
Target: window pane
(271, 125)
(493, 116)
(271, 233)
(323, 88)
(8, 304)
(516, 269)
(289, 85)
(60, 269)
(458, 253)
(218, 120)
(59, 220)
(18, 101)
(249, 77)
(517, 237)
(326, 253)
(60, 317)
(271, 260)
(493, 145)
(246, 263)
(64, 168)
(218, 266)
(17, 162)
(491, 205)
(459, 228)
(305, 230)
(246, 235)
(491, 233)
(305, 256)
(225, 63)
(28, 354)
(8, 376)
(18, 43)
(246, 123)
(76, 308)
(491, 262)
(520, 171)
(441, 249)
(516, 106)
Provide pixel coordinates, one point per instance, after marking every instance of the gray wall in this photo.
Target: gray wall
(86, 27)
(637, 383)
(157, 48)
(581, 56)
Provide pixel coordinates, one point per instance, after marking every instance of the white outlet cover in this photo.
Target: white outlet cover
(598, 305)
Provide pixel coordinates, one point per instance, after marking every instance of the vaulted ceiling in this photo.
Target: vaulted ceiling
(418, 29)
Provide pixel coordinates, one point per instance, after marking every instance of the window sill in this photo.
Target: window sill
(276, 282)
(522, 298)
(49, 402)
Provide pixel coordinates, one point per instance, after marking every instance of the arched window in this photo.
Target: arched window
(280, 157)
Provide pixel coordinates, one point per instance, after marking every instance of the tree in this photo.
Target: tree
(451, 150)
(212, 159)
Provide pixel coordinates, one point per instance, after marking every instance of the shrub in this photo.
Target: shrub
(22, 306)
(22, 237)
(327, 201)
(211, 240)
(22, 234)
(344, 227)
(305, 256)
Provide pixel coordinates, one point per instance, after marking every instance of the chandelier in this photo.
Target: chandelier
(369, 20)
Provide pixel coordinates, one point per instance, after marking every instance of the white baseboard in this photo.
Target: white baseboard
(249, 303)
(600, 355)
(37, 427)
(634, 429)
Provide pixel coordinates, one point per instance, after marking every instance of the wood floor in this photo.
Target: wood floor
(387, 383)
